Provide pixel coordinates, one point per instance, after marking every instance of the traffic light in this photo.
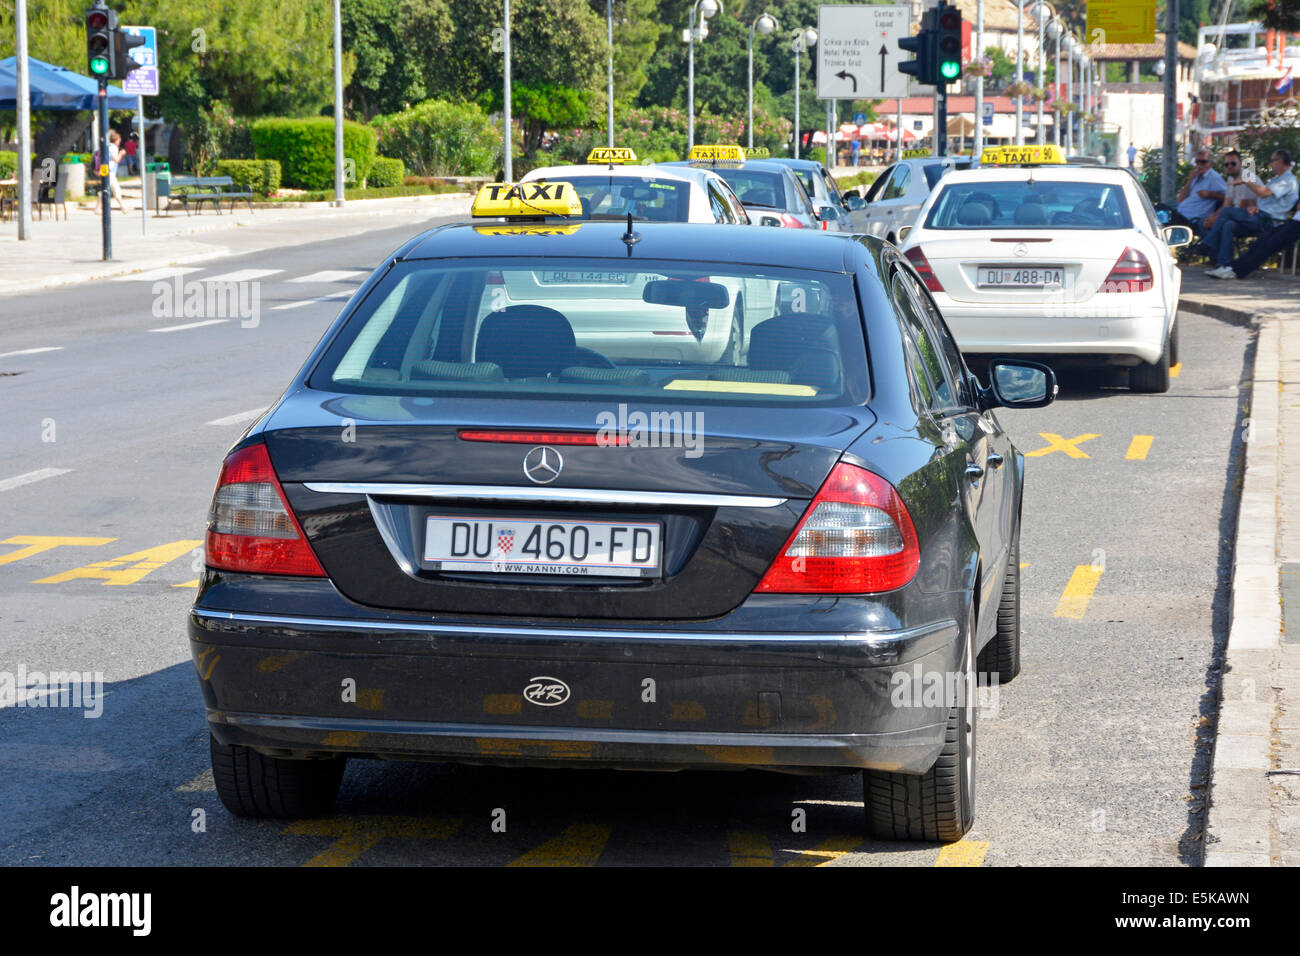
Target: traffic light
(123, 62)
(100, 24)
(923, 45)
(948, 44)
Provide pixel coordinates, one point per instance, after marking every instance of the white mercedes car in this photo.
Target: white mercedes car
(1028, 255)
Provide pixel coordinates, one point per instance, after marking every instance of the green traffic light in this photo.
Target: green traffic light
(99, 65)
(950, 69)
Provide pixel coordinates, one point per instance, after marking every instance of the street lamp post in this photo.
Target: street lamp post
(977, 142)
(764, 23)
(1054, 31)
(803, 40)
(1069, 92)
(1041, 7)
(703, 10)
(609, 26)
(1020, 71)
(509, 124)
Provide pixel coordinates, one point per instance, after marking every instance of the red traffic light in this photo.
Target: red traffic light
(96, 20)
(951, 20)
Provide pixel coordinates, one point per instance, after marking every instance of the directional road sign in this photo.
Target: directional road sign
(144, 81)
(857, 51)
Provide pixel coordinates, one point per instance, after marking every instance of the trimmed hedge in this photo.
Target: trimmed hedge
(304, 148)
(386, 172)
(260, 176)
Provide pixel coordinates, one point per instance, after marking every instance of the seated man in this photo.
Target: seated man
(1272, 242)
(1237, 194)
(1201, 195)
(1274, 202)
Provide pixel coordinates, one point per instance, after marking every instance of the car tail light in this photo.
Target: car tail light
(922, 266)
(855, 538)
(790, 222)
(1131, 273)
(250, 526)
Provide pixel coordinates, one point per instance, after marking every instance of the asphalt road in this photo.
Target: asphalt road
(1095, 755)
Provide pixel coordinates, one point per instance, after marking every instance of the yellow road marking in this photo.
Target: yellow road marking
(579, 845)
(1077, 594)
(1057, 443)
(188, 584)
(1138, 448)
(963, 853)
(129, 568)
(36, 543)
(353, 836)
(1024, 564)
(200, 784)
(1175, 370)
(828, 851)
(749, 849)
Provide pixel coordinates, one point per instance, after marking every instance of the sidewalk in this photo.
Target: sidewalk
(1254, 816)
(57, 253)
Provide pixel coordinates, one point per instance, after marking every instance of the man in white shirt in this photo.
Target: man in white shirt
(1201, 194)
(1274, 202)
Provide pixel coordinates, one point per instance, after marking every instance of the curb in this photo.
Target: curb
(1238, 821)
(1216, 310)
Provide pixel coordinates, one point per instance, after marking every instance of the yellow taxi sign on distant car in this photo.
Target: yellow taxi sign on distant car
(611, 154)
(528, 229)
(916, 154)
(757, 152)
(532, 200)
(1021, 155)
(716, 156)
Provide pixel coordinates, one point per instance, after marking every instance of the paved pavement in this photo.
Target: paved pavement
(1254, 816)
(71, 250)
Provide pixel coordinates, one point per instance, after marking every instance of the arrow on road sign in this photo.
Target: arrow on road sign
(846, 75)
(884, 61)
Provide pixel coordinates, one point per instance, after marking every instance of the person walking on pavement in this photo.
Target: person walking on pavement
(1200, 195)
(1274, 202)
(1272, 242)
(1237, 194)
(114, 188)
(1132, 155)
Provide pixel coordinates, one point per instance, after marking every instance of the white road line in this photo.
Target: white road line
(236, 419)
(301, 303)
(242, 275)
(155, 275)
(48, 348)
(329, 275)
(190, 325)
(8, 484)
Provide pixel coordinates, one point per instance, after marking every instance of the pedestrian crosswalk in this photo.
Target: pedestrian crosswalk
(189, 273)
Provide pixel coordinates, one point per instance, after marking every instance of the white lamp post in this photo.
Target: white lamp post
(609, 95)
(1069, 91)
(764, 23)
(804, 40)
(1041, 9)
(701, 10)
(1054, 31)
(1020, 70)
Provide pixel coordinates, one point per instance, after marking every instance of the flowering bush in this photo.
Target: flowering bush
(1064, 106)
(981, 67)
(439, 138)
(1019, 88)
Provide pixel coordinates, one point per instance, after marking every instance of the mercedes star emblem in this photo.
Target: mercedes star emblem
(542, 465)
(1022, 249)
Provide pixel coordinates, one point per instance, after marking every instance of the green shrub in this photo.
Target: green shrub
(304, 149)
(386, 171)
(249, 174)
(270, 176)
(439, 138)
(8, 165)
(83, 158)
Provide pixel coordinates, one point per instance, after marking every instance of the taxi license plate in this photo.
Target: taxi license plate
(1019, 277)
(553, 277)
(625, 549)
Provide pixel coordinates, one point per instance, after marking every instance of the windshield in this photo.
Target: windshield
(755, 187)
(550, 328)
(1021, 203)
(657, 200)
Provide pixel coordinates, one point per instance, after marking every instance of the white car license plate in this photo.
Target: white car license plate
(625, 549)
(552, 277)
(1020, 277)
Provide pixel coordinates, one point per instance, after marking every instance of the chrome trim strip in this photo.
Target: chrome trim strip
(588, 496)
(873, 639)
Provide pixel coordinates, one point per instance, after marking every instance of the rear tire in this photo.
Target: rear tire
(253, 785)
(1001, 655)
(939, 805)
(1173, 345)
(1154, 378)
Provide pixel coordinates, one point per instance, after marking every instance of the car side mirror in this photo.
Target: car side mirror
(854, 203)
(1014, 383)
(902, 233)
(826, 214)
(1177, 236)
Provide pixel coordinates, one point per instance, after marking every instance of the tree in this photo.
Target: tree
(392, 41)
(636, 35)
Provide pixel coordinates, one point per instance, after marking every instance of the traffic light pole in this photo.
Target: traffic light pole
(105, 192)
(941, 120)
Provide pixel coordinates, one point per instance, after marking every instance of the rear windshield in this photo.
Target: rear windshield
(569, 328)
(658, 200)
(1025, 203)
(754, 187)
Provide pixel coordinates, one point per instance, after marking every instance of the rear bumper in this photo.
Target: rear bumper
(1128, 324)
(637, 699)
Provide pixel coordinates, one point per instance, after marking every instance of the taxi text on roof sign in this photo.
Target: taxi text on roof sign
(717, 154)
(757, 152)
(916, 154)
(527, 199)
(528, 229)
(611, 154)
(1021, 155)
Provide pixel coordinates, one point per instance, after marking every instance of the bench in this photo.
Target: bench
(198, 190)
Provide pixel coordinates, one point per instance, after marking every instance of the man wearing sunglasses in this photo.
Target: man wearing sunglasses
(1235, 195)
(1274, 202)
(1201, 195)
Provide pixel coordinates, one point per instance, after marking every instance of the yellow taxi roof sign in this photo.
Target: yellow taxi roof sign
(916, 154)
(1022, 155)
(716, 155)
(757, 152)
(532, 200)
(528, 229)
(611, 154)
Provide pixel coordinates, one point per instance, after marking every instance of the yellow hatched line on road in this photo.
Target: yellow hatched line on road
(579, 845)
(1176, 369)
(353, 836)
(749, 849)
(1138, 448)
(828, 851)
(963, 853)
(1056, 442)
(1078, 592)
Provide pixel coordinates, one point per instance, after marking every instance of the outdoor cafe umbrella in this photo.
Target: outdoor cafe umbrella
(55, 88)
